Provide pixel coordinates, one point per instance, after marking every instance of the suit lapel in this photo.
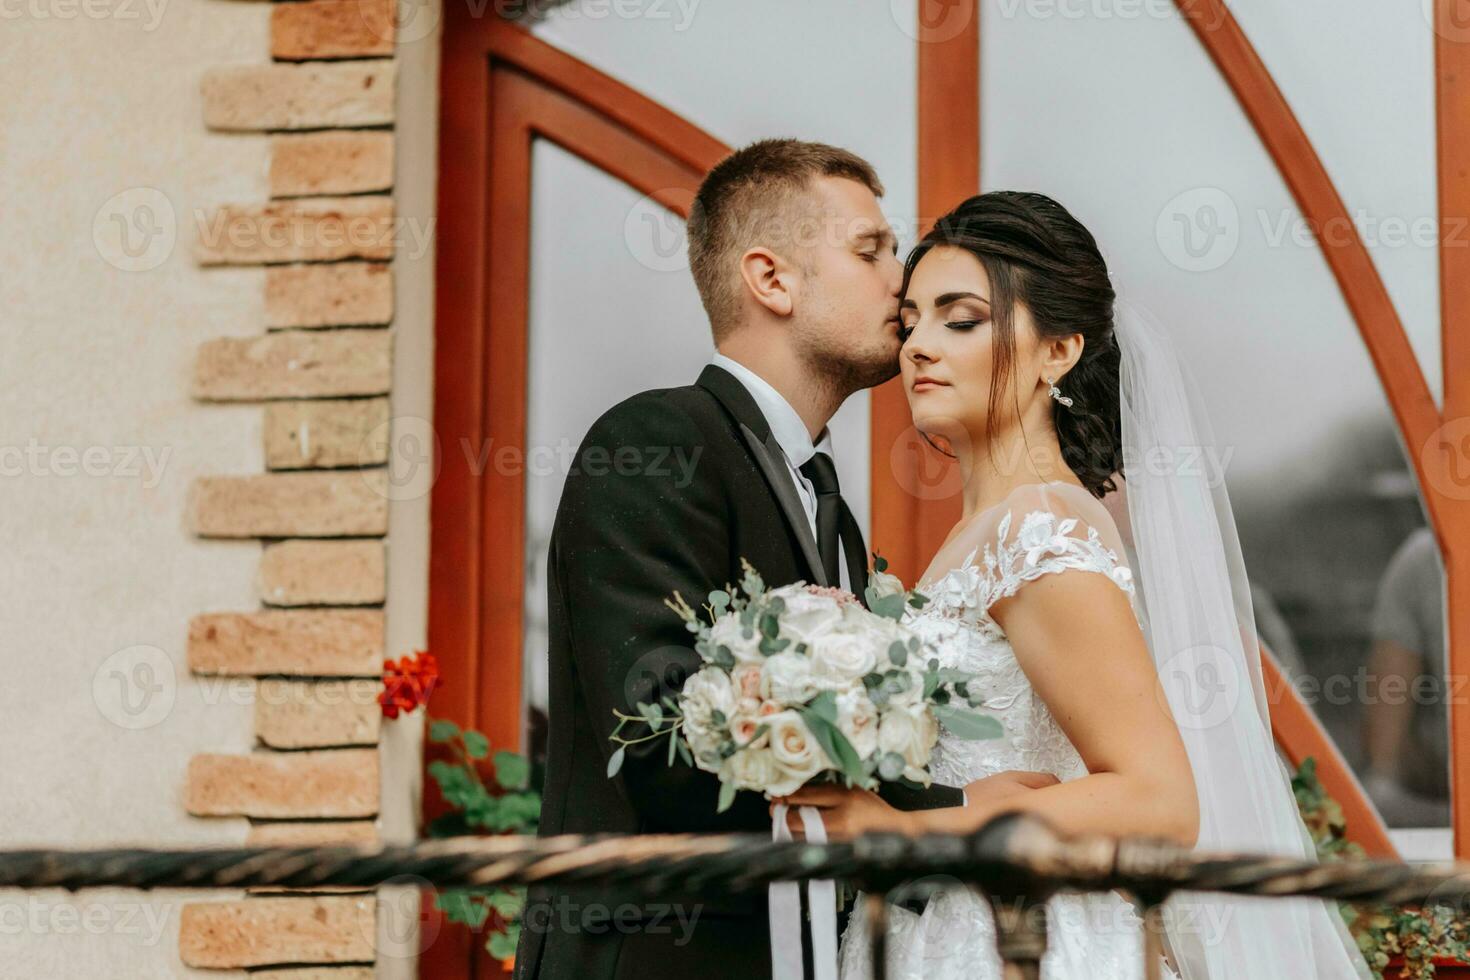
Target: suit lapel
(768, 456)
(856, 553)
(772, 461)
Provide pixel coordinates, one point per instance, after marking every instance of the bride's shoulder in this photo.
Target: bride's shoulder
(1044, 526)
(1056, 502)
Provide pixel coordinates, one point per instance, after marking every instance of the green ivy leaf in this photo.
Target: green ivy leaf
(442, 730)
(512, 771)
(463, 905)
(476, 745)
(502, 945)
(508, 901)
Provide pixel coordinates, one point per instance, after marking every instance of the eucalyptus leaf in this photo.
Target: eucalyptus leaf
(835, 744)
(890, 606)
(967, 725)
(891, 766)
(615, 762)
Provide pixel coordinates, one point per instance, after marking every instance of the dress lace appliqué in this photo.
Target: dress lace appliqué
(1091, 937)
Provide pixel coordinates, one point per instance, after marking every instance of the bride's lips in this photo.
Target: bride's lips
(926, 383)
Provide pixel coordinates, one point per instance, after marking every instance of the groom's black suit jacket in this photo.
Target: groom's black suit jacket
(669, 490)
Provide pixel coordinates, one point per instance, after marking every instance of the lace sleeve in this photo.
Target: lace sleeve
(1048, 529)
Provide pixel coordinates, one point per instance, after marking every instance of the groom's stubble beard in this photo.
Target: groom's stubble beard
(840, 374)
(842, 365)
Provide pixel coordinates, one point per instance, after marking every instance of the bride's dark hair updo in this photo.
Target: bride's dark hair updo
(1037, 254)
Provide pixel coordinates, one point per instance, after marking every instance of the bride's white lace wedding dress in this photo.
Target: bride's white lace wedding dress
(1040, 529)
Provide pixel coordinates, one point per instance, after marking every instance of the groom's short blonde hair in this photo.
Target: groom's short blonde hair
(754, 197)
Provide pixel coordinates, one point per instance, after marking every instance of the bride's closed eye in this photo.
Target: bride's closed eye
(904, 331)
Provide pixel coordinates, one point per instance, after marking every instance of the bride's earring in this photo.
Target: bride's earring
(1057, 393)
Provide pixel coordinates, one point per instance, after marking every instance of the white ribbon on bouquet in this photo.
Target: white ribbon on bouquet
(785, 909)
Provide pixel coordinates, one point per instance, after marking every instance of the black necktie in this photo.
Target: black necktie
(823, 474)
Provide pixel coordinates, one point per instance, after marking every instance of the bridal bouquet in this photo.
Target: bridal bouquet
(801, 682)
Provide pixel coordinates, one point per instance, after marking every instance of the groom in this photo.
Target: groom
(795, 265)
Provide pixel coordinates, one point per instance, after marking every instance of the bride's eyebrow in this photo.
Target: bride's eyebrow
(944, 299)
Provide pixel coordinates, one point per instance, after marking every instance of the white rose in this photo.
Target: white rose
(806, 615)
(744, 721)
(706, 749)
(840, 658)
(855, 617)
(911, 732)
(796, 752)
(706, 692)
(747, 680)
(727, 631)
(885, 583)
(911, 697)
(752, 769)
(858, 720)
(787, 678)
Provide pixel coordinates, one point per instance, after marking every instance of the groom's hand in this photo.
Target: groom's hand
(846, 812)
(1009, 783)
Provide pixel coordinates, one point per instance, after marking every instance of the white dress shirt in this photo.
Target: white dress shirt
(796, 443)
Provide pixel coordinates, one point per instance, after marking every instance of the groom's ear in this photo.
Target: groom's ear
(769, 279)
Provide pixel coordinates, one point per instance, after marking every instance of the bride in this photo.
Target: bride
(1094, 587)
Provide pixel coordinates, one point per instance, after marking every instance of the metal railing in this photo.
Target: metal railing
(1017, 862)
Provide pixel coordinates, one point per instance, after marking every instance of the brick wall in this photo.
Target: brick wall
(320, 368)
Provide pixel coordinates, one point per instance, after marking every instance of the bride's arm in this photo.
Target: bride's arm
(1075, 637)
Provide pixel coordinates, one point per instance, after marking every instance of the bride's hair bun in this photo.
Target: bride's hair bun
(1037, 254)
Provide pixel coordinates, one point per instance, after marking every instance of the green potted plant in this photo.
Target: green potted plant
(1398, 941)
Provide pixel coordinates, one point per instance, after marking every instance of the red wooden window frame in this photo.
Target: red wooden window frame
(501, 88)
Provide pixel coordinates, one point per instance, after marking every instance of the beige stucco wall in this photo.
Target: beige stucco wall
(99, 442)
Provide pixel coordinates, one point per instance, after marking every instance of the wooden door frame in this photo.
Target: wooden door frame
(501, 88)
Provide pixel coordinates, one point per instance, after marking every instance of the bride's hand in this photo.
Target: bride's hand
(1000, 785)
(846, 812)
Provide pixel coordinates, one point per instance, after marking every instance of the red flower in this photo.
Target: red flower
(408, 683)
